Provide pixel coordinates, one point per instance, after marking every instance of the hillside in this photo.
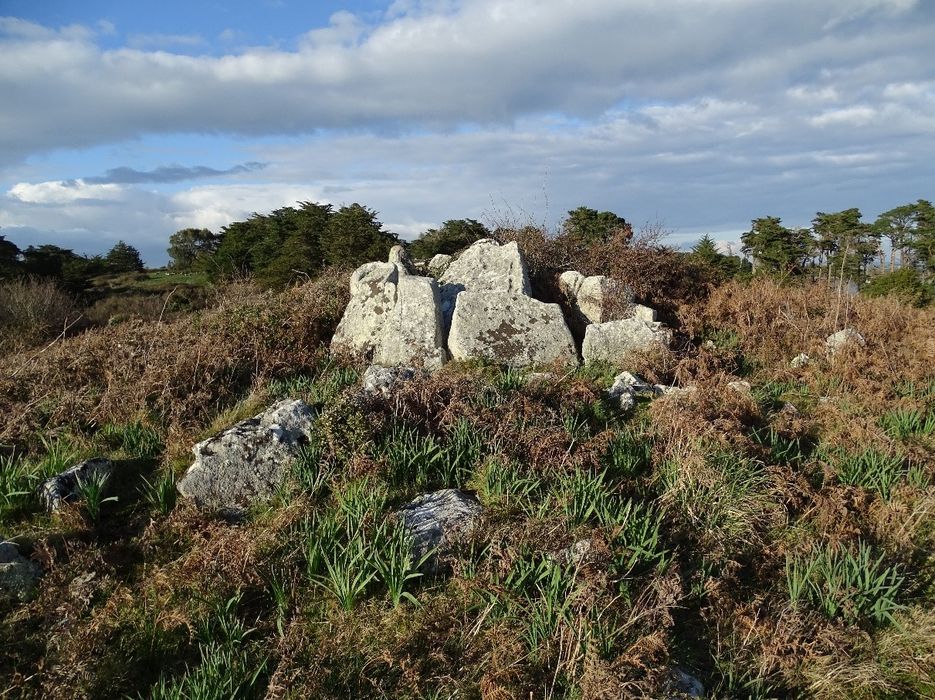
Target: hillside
(729, 515)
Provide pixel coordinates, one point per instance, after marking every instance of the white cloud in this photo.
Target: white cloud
(63, 192)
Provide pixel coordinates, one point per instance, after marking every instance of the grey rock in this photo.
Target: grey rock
(681, 684)
(412, 332)
(509, 328)
(400, 257)
(611, 341)
(587, 295)
(62, 488)
(382, 380)
(248, 462)
(842, 339)
(740, 386)
(392, 318)
(18, 575)
(642, 312)
(575, 554)
(486, 266)
(438, 264)
(438, 520)
(626, 387)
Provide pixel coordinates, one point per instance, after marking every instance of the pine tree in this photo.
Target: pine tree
(123, 258)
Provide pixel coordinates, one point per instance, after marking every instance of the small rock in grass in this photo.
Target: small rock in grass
(801, 360)
(382, 380)
(62, 488)
(842, 339)
(18, 575)
(438, 520)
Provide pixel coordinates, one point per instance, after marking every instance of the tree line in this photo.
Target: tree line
(71, 270)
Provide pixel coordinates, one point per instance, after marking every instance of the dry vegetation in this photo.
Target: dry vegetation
(777, 543)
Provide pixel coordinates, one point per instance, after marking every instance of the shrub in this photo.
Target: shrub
(905, 283)
(33, 310)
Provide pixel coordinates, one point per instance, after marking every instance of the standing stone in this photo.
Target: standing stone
(249, 462)
(484, 267)
(509, 328)
(438, 520)
(412, 332)
(392, 318)
(373, 295)
(64, 487)
(612, 341)
(18, 575)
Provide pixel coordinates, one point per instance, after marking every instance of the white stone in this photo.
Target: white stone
(509, 328)
(587, 295)
(644, 313)
(801, 360)
(400, 257)
(438, 264)
(486, 266)
(842, 339)
(392, 318)
(612, 341)
(383, 380)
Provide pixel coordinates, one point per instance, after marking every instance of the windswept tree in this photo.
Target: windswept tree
(847, 243)
(9, 258)
(591, 226)
(775, 248)
(191, 245)
(123, 258)
(923, 236)
(449, 238)
(706, 252)
(355, 236)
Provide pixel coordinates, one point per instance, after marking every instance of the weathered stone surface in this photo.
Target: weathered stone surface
(412, 332)
(842, 339)
(587, 296)
(392, 318)
(438, 264)
(625, 389)
(611, 341)
(400, 257)
(681, 684)
(438, 520)
(373, 295)
(18, 575)
(740, 386)
(248, 462)
(642, 312)
(486, 266)
(509, 328)
(382, 380)
(61, 488)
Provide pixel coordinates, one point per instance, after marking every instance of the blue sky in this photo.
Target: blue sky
(132, 120)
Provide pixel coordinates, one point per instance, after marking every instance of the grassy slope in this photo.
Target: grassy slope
(771, 551)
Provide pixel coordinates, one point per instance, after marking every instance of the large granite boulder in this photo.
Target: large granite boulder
(392, 318)
(438, 264)
(486, 266)
(611, 341)
(438, 520)
(248, 462)
(62, 488)
(18, 575)
(510, 329)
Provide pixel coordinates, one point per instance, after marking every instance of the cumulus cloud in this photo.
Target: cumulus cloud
(440, 65)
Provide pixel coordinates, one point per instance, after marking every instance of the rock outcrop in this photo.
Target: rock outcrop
(18, 575)
(248, 462)
(399, 257)
(509, 328)
(64, 487)
(486, 266)
(611, 341)
(392, 317)
(438, 264)
(438, 520)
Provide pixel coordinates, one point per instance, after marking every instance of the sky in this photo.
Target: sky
(131, 120)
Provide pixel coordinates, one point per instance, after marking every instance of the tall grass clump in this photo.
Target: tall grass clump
(853, 585)
(33, 310)
(902, 423)
(870, 469)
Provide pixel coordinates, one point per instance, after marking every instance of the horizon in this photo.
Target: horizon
(129, 123)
